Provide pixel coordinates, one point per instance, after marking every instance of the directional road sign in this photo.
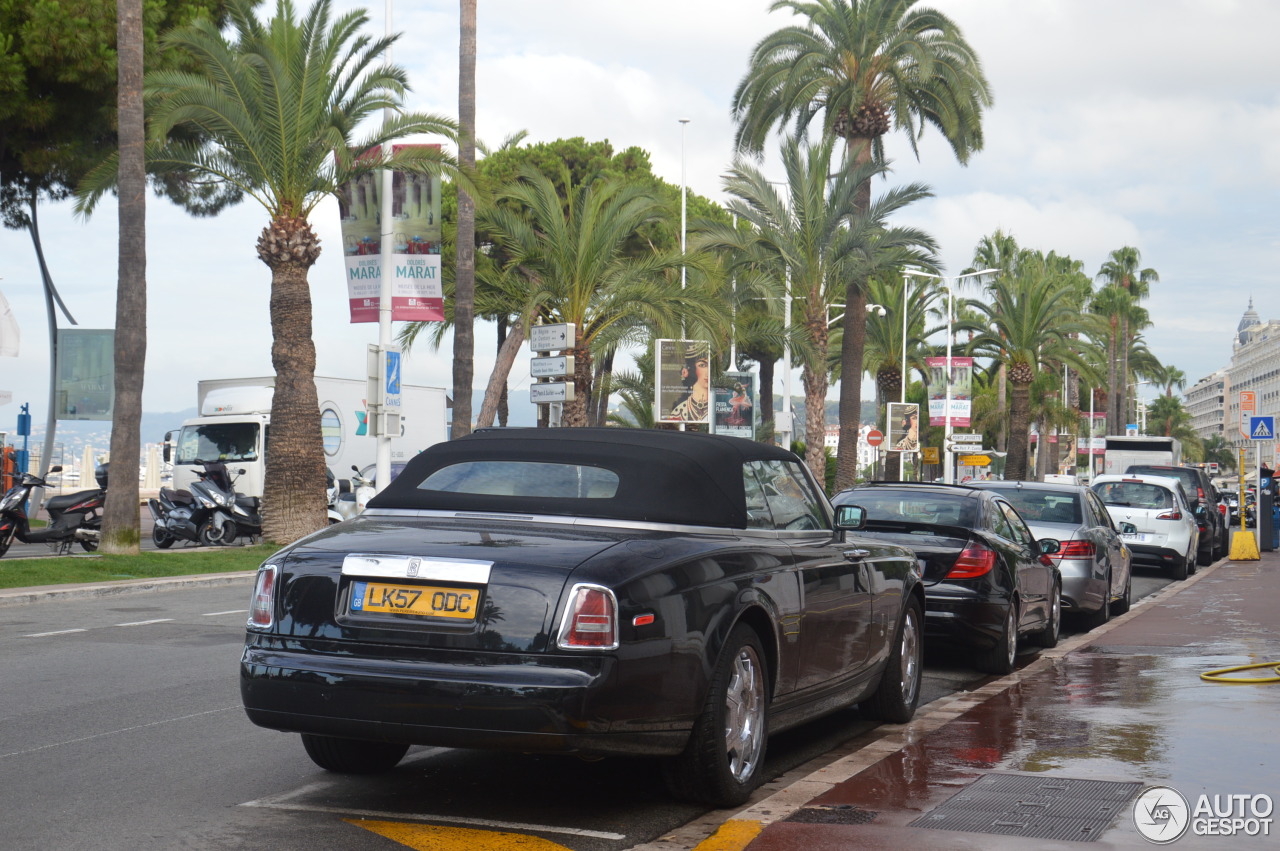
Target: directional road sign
(1262, 428)
(558, 366)
(973, 460)
(556, 391)
(958, 437)
(552, 338)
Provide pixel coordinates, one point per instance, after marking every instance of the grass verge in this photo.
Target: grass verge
(23, 573)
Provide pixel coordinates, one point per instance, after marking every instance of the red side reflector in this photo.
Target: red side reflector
(642, 620)
(976, 560)
(1074, 549)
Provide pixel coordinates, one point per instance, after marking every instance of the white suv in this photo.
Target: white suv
(1155, 519)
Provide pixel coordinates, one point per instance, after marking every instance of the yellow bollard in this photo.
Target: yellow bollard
(1244, 547)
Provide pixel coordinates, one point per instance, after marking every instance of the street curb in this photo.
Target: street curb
(725, 830)
(22, 596)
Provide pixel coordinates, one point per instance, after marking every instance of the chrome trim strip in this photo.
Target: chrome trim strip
(601, 522)
(416, 567)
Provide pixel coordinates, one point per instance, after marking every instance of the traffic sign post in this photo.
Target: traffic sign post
(550, 372)
(1262, 428)
(875, 437)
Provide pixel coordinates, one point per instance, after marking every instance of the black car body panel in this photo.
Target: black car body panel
(969, 610)
(824, 604)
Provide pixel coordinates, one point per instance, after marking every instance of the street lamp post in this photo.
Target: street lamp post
(948, 473)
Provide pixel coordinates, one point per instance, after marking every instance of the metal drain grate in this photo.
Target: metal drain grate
(842, 814)
(1033, 806)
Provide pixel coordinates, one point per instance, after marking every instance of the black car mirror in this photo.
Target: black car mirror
(1128, 529)
(851, 517)
(1049, 546)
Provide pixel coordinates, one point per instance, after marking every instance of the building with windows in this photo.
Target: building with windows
(1214, 401)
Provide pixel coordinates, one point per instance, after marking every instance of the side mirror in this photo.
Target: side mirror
(1049, 546)
(851, 518)
(57, 468)
(240, 472)
(1128, 529)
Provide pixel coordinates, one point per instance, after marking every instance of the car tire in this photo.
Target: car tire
(895, 699)
(720, 765)
(161, 538)
(1103, 614)
(1121, 606)
(1047, 637)
(1204, 559)
(1000, 658)
(352, 756)
(1180, 569)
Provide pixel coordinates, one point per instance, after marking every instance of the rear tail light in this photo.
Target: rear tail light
(1170, 515)
(590, 620)
(976, 560)
(262, 607)
(1074, 549)
(1222, 509)
(1200, 493)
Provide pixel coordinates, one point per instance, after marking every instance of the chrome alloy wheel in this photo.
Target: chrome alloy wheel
(910, 653)
(744, 714)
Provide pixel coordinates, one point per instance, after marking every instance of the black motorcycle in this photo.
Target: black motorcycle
(235, 514)
(73, 518)
(191, 515)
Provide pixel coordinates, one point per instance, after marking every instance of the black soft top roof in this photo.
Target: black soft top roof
(664, 476)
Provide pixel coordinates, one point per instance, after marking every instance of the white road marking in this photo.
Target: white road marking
(238, 707)
(56, 632)
(227, 612)
(145, 623)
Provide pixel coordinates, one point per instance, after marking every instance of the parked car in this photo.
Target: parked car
(1155, 520)
(1094, 562)
(585, 591)
(987, 580)
(1206, 503)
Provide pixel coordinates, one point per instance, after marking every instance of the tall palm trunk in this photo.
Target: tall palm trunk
(120, 517)
(465, 276)
(855, 339)
(1002, 405)
(295, 450)
(1112, 345)
(815, 399)
(575, 412)
(503, 396)
(767, 370)
(1122, 407)
(496, 392)
(1019, 427)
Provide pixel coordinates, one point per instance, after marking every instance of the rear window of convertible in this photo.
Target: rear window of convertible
(524, 478)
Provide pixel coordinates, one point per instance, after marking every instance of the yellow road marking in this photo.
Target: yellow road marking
(733, 835)
(427, 837)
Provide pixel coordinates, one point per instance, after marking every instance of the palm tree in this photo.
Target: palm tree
(280, 103)
(866, 66)
(120, 517)
(464, 342)
(1027, 320)
(815, 241)
(1218, 451)
(1121, 271)
(576, 260)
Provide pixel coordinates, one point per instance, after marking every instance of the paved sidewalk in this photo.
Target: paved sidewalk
(1015, 764)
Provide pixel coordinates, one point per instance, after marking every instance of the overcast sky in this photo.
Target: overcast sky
(1150, 123)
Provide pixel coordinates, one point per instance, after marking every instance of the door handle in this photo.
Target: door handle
(856, 554)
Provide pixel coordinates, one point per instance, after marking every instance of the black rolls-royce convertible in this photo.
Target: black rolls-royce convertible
(590, 592)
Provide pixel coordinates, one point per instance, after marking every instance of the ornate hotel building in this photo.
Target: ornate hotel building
(1214, 401)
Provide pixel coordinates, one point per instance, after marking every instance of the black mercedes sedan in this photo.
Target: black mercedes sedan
(988, 581)
(585, 591)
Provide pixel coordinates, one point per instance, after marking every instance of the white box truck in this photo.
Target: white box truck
(1123, 451)
(235, 413)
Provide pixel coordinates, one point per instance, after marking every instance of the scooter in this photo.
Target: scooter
(73, 517)
(234, 513)
(182, 515)
(351, 502)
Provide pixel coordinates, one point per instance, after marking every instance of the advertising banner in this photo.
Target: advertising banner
(683, 384)
(961, 391)
(1096, 443)
(416, 238)
(735, 413)
(86, 374)
(904, 426)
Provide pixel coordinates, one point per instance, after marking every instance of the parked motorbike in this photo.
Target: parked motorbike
(334, 487)
(351, 502)
(73, 518)
(235, 514)
(189, 515)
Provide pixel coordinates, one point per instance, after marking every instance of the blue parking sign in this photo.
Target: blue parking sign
(1262, 428)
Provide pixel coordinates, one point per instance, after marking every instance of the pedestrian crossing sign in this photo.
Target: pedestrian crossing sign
(1262, 428)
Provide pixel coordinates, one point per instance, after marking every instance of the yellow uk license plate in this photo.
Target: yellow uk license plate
(421, 600)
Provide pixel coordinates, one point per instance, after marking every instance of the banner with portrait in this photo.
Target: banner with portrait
(682, 384)
(903, 427)
(86, 370)
(417, 294)
(735, 412)
(961, 376)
